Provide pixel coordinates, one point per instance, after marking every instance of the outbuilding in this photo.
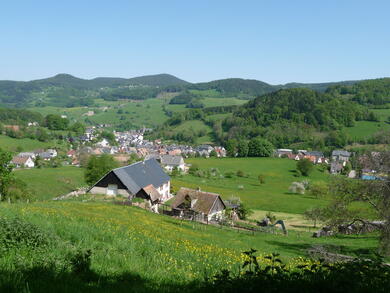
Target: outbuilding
(209, 206)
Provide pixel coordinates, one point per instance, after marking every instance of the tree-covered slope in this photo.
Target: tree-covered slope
(300, 105)
(368, 92)
(236, 86)
(65, 90)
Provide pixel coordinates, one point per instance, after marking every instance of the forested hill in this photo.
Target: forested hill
(374, 92)
(68, 91)
(236, 86)
(64, 90)
(296, 117)
(300, 106)
(67, 80)
(320, 87)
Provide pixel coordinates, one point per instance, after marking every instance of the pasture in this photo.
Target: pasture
(47, 183)
(22, 144)
(273, 195)
(137, 113)
(365, 129)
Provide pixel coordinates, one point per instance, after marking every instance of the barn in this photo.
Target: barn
(206, 204)
(145, 179)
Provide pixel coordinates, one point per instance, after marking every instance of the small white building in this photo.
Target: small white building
(169, 163)
(23, 162)
(103, 143)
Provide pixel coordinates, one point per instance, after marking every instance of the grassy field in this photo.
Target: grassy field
(47, 183)
(273, 195)
(140, 113)
(24, 144)
(196, 125)
(133, 248)
(214, 102)
(365, 129)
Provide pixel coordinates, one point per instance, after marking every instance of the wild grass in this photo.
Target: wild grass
(129, 244)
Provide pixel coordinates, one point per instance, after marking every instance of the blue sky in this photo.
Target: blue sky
(274, 41)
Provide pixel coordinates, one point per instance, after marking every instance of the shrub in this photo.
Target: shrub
(81, 261)
(271, 216)
(243, 212)
(261, 178)
(297, 187)
(270, 274)
(319, 189)
(193, 169)
(18, 233)
(229, 174)
(240, 173)
(305, 166)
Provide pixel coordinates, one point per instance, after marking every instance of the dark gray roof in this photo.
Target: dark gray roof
(171, 160)
(141, 174)
(341, 153)
(315, 153)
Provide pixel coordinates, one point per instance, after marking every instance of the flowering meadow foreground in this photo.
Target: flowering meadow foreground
(77, 246)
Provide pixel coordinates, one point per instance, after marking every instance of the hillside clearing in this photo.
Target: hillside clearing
(47, 183)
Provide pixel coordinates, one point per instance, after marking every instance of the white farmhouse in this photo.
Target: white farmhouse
(145, 179)
(23, 162)
(170, 162)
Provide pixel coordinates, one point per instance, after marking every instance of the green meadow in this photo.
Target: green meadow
(138, 113)
(365, 129)
(273, 195)
(47, 183)
(23, 144)
(128, 247)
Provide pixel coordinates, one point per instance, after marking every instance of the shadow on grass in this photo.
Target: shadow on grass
(296, 248)
(41, 279)
(302, 248)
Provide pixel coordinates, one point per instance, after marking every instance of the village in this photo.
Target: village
(133, 144)
(144, 178)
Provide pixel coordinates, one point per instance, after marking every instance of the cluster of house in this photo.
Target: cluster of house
(148, 181)
(133, 142)
(27, 159)
(315, 157)
(337, 161)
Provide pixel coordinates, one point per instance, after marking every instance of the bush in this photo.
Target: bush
(243, 212)
(304, 167)
(319, 189)
(297, 187)
(81, 261)
(240, 173)
(261, 178)
(229, 174)
(269, 274)
(271, 216)
(18, 233)
(193, 169)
